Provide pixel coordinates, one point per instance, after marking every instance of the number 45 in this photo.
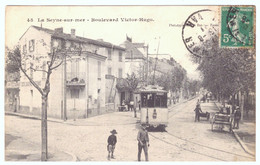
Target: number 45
(226, 38)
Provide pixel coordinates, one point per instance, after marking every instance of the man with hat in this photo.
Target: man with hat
(237, 117)
(111, 144)
(197, 112)
(143, 142)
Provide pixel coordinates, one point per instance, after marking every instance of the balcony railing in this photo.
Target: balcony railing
(76, 79)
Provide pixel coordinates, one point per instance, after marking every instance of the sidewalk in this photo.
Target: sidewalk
(246, 133)
(93, 121)
(17, 149)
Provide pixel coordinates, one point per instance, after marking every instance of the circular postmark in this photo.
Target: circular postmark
(239, 22)
(200, 31)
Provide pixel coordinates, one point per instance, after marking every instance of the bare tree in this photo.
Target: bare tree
(28, 64)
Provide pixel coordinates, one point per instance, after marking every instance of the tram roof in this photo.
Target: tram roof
(151, 89)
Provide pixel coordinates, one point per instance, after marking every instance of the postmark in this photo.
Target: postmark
(200, 32)
(237, 26)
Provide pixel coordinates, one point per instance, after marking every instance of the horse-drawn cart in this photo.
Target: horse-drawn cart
(206, 115)
(222, 119)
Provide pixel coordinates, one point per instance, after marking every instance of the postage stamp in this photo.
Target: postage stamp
(237, 26)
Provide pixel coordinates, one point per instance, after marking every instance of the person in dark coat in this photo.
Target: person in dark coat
(111, 144)
(237, 117)
(197, 112)
(143, 142)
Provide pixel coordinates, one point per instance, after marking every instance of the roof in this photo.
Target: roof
(78, 38)
(138, 45)
(161, 66)
(132, 51)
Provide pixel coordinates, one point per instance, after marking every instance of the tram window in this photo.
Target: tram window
(161, 100)
(143, 99)
(150, 100)
(154, 100)
(164, 100)
(158, 101)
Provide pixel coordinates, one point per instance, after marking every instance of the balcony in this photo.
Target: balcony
(76, 80)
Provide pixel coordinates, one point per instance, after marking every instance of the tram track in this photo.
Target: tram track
(194, 147)
(186, 149)
(206, 154)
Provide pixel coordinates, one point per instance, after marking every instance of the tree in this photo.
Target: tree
(28, 64)
(227, 71)
(10, 65)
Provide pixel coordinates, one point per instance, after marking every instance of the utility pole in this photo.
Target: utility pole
(156, 61)
(65, 89)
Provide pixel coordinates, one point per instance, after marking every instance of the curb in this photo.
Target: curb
(33, 117)
(242, 144)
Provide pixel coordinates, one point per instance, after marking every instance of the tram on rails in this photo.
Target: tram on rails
(154, 110)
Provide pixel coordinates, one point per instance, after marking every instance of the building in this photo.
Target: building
(115, 64)
(12, 91)
(136, 58)
(78, 86)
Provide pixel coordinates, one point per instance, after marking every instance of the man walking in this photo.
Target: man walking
(143, 142)
(197, 112)
(237, 117)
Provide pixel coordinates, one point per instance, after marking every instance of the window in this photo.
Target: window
(109, 71)
(154, 100)
(120, 59)
(25, 48)
(74, 93)
(99, 70)
(31, 45)
(74, 68)
(109, 57)
(120, 73)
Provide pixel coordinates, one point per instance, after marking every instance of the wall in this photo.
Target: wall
(30, 98)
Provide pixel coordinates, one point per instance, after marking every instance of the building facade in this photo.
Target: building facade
(78, 86)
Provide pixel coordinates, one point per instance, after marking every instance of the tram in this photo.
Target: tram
(154, 111)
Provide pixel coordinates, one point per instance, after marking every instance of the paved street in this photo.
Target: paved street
(185, 140)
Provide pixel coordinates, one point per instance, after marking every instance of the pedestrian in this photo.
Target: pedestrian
(143, 142)
(131, 104)
(111, 144)
(197, 112)
(198, 102)
(237, 117)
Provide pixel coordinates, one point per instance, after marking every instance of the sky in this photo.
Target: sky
(157, 31)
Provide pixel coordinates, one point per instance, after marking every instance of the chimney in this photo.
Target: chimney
(58, 30)
(73, 33)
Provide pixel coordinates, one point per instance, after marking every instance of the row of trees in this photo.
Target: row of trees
(228, 71)
(175, 80)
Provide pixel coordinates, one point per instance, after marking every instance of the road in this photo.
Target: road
(184, 139)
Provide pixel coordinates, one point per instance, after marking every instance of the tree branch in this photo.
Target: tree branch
(40, 70)
(31, 81)
(56, 65)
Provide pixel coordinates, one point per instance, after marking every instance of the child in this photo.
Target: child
(111, 144)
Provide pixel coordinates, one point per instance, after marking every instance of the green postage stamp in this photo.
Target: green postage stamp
(237, 26)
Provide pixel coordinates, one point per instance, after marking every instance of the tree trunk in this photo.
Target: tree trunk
(44, 155)
(242, 106)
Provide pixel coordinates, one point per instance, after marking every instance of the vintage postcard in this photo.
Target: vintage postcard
(130, 83)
